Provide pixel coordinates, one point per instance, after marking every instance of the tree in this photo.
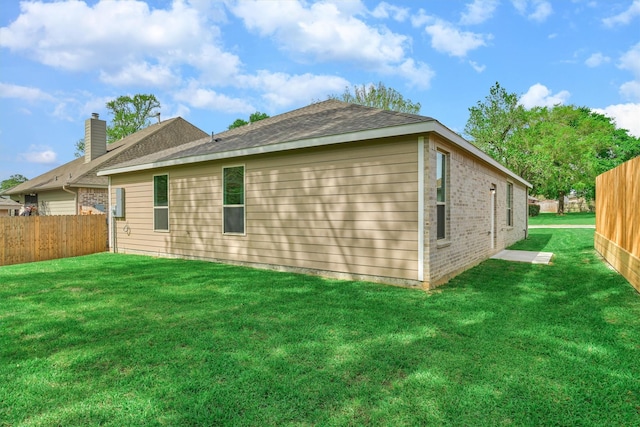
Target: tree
(573, 145)
(79, 148)
(378, 96)
(493, 123)
(558, 149)
(257, 116)
(130, 114)
(12, 181)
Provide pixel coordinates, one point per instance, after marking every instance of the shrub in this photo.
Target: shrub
(534, 210)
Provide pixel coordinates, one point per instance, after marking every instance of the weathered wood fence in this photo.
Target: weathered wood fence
(39, 238)
(617, 235)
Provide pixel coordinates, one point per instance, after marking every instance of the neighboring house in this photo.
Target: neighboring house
(334, 189)
(74, 188)
(9, 207)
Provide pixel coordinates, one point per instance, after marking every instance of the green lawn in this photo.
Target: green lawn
(575, 218)
(116, 340)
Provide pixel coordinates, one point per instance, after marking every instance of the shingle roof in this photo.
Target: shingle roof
(317, 120)
(9, 204)
(77, 173)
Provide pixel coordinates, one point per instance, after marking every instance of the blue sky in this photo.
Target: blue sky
(211, 62)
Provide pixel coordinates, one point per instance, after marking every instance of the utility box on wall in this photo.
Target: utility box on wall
(118, 210)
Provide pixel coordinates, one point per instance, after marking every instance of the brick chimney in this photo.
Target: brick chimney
(95, 138)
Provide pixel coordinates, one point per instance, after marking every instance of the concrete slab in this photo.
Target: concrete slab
(531, 257)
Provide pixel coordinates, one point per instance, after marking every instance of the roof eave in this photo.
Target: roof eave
(393, 131)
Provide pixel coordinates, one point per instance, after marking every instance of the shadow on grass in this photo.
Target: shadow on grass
(118, 339)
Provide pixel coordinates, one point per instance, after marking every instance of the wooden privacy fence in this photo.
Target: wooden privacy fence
(38, 238)
(617, 235)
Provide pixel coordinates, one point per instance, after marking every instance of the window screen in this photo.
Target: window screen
(233, 199)
(161, 202)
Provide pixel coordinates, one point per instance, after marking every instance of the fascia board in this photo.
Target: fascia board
(415, 128)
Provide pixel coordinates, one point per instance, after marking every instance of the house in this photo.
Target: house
(9, 207)
(74, 188)
(333, 189)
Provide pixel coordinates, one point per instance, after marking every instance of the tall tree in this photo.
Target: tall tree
(255, 117)
(12, 181)
(573, 145)
(378, 96)
(557, 149)
(130, 114)
(493, 122)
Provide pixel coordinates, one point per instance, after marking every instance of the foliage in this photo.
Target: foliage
(12, 181)
(257, 116)
(534, 210)
(492, 124)
(153, 341)
(79, 146)
(558, 149)
(378, 96)
(130, 114)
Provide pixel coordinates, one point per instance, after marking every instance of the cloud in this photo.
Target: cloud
(448, 39)
(596, 60)
(30, 94)
(327, 32)
(282, 90)
(125, 41)
(625, 17)
(535, 10)
(539, 95)
(630, 60)
(141, 74)
(625, 116)
(479, 68)
(421, 18)
(386, 10)
(478, 12)
(200, 97)
(323, 31)
(39, 154)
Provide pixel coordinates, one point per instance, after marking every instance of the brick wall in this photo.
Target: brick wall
(90, 199)
(468, 239)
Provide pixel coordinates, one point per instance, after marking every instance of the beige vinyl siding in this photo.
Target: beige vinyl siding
(135, 229)
(56, 203)
(349, 210)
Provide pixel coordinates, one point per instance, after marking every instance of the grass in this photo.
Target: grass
(574, 218)
(115, 340)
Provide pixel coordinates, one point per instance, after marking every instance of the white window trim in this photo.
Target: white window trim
(244, 206)
(509, 209)
(444, 241)
(153, 182)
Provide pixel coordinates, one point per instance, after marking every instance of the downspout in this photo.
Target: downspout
(75, 196)
(110, 220)
(526, 212)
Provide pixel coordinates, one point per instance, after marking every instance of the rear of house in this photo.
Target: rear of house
(331, 189)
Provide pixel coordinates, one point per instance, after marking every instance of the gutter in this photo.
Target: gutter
(408, 129)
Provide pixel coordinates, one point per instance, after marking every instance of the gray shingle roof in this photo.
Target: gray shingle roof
(317, 120)
(77, 173)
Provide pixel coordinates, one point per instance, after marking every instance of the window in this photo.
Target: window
(509, 204)
(233, 199)
(161, 203)
(441, 198)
